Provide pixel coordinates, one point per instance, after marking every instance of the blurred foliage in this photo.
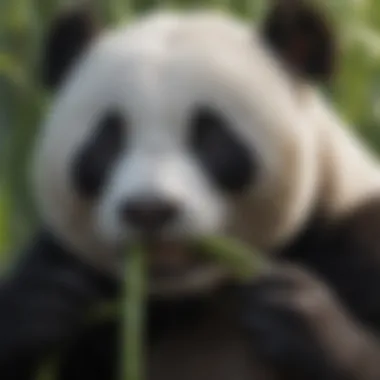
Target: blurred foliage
(355, 92)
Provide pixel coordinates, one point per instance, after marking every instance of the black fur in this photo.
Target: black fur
(68, 37)
(282, 336)
(347, 256)
(301, 36)
(338, 263)
(43, 303)
(226, 159)
(92, 164)
(334, 267)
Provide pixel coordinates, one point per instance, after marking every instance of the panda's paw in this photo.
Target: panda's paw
(290, 319)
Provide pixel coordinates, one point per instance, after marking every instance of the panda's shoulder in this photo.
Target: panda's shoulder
(355, 230)
(363, 223)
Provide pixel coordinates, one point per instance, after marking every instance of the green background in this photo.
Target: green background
(355, 91)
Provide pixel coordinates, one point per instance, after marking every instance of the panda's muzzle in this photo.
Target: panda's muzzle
(148, 216)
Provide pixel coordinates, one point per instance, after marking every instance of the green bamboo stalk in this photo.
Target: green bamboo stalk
(244, 262)
(132, 364)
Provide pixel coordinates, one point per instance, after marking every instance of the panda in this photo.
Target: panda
(181, 125)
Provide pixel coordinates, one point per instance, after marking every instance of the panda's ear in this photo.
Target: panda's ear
(302, 37)
(68, 36)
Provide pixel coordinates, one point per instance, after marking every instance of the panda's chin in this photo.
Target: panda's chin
(180, 268)
(201, 280)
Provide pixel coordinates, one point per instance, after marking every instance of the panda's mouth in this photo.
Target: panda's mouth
(180, 267)
(170, 259)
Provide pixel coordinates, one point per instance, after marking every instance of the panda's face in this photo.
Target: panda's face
(172, 132)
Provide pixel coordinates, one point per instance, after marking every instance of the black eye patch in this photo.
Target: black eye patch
(224, 157)
(97, 156)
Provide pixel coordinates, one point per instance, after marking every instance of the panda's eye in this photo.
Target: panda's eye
(96, 157)
(222, 154)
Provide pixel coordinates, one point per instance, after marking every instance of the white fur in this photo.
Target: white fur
(154, 71)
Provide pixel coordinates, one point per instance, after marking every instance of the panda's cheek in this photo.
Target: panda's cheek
(107, 224)
(205, 207)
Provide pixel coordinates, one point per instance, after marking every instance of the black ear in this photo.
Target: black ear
(301, 35)
(69, 35)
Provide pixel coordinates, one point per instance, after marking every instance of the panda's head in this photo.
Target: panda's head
(175, 127)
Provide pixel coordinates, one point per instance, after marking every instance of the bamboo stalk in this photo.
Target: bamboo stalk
(132, 365)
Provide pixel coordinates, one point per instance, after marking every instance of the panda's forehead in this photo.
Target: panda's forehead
(163, 63)
(157, 70)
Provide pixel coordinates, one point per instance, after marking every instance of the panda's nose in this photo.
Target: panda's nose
(149, 215)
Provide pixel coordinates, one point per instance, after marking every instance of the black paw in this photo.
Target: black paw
(287, 316)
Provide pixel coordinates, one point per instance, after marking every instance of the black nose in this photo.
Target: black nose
(148, 215)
